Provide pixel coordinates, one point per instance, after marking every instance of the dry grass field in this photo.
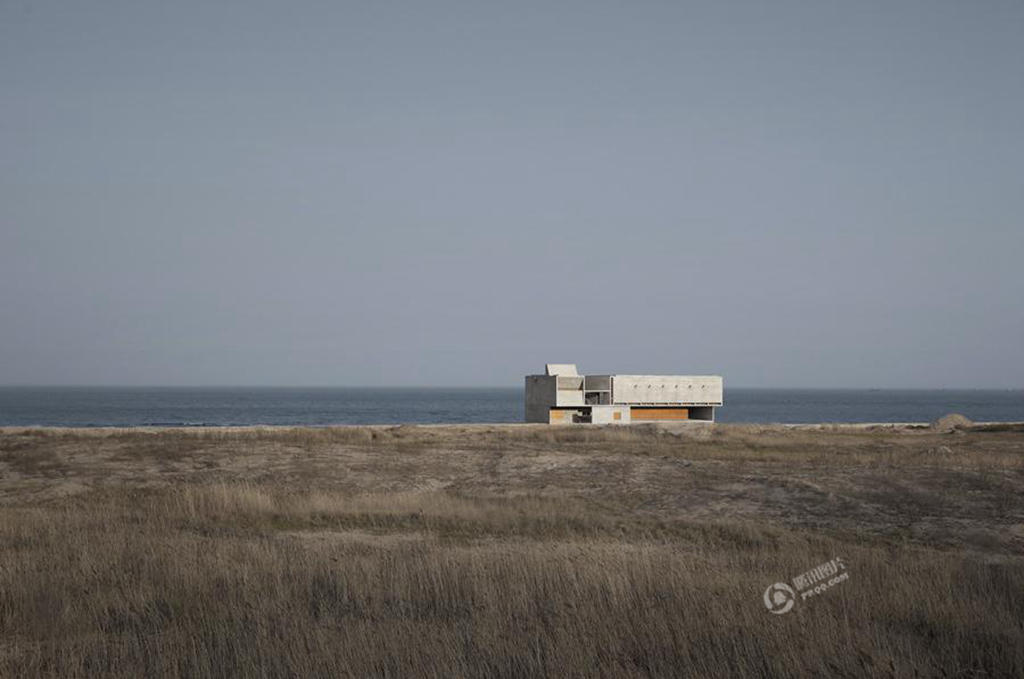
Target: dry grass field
(509, 551)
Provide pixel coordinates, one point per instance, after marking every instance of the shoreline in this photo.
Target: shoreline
(1007, 425)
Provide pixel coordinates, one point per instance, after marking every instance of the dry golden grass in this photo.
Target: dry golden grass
(508, 552)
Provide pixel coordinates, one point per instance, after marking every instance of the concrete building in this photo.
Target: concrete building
(563, 396)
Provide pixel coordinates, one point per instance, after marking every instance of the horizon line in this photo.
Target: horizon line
(478, 386)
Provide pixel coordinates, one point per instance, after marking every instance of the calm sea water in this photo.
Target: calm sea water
(172, 406)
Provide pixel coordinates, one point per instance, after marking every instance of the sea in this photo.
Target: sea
(321, 406)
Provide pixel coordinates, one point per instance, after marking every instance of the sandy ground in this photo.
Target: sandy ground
(957, 489)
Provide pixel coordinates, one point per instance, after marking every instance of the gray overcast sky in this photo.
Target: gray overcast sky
(374, 193)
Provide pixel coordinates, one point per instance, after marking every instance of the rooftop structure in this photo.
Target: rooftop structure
(562, 396)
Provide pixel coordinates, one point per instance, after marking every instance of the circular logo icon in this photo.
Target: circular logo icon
(779, 598)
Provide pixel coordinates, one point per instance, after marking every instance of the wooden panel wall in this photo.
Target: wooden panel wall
(641, 414)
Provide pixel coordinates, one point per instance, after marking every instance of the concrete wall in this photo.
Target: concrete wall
(540, 396)
(607, 414)
(667, 389)
(543, 393)
(566, 397)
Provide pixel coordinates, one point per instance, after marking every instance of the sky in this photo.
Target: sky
(788, 194)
